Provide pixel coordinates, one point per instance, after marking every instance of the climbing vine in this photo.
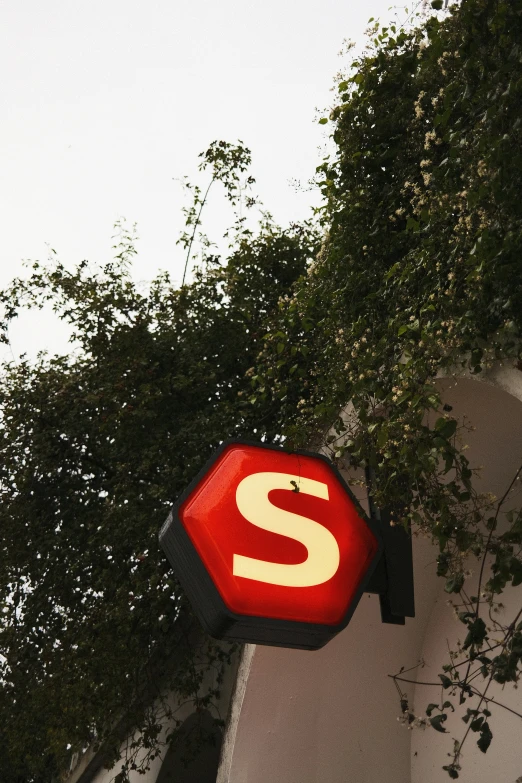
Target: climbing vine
(419, 275)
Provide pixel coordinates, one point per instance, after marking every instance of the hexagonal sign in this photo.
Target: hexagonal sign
(270, 546)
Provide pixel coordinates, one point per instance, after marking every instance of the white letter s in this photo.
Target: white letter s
(323, 551)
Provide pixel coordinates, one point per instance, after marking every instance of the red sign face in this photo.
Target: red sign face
(279, 535)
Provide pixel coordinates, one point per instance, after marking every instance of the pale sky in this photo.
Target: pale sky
(104, 102)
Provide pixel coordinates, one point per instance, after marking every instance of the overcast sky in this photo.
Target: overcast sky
(104, 103)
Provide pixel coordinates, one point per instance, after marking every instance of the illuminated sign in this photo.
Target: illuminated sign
(270, 546)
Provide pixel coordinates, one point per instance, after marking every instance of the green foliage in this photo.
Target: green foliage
(94, 447)
(419, 274)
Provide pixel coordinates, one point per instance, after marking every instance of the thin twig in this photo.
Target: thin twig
(493, 527)
(476, 692)
(196, 224)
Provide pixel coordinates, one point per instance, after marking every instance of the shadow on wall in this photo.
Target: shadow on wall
(179, 767)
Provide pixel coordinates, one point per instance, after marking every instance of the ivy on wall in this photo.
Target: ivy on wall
(420, 272)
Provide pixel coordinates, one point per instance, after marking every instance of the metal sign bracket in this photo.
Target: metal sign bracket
(392, 579)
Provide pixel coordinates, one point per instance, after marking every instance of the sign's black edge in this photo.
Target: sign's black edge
(202, 591)
(216, 618)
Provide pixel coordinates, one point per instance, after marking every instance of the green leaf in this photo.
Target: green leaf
(516, 571)
(323, 120)
(469, 714)
(465, 616)
(446, 428)
(477, 633)
(442, 564)
(454, 583)
(382, 437)
(486, 736)
(395, 268)
(436, 4)
(437, 721)
(452, 772)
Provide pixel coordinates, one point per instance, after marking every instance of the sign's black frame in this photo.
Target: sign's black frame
(215, 617)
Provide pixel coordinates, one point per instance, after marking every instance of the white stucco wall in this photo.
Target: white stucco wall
(330, 716)
(496, 409)
(503, 761)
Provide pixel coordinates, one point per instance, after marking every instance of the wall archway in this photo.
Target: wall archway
(331, 715)
(203, 767)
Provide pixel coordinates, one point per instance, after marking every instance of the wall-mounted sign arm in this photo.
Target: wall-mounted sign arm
(392, 579)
